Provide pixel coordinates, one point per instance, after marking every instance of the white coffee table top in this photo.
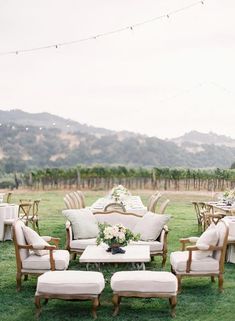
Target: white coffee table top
(98, 254)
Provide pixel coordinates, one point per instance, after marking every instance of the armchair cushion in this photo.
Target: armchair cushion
(209, 237)
(35, 262)
(150, 226)
(84, 224)
(35, 240)
(179, 261)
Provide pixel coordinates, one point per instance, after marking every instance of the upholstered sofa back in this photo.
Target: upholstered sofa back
(129, 220)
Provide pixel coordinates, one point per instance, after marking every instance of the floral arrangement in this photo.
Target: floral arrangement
(115, 235)
(119, 192)
(229, 194)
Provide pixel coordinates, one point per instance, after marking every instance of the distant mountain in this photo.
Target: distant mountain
(46, 120)
(197, 138)
(31, 140)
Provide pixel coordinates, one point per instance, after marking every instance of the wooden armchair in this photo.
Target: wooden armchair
(184, 263)
(27, 262)
(74, 200)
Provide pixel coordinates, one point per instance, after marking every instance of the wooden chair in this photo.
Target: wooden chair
(8, 197)
(152, 202)
(74, 200)
(163, 206)
(200, 210)
(28, 213)
(183, 263)
(29, 263)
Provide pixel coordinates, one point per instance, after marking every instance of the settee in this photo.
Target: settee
(151, 226)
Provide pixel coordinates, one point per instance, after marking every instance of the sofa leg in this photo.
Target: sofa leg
(18, 281)
(74, 256)
(179, 282)
(116, 301)
(212, 279)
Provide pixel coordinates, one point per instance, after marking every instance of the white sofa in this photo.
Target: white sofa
(158, 247)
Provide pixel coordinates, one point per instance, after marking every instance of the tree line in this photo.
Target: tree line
(104, 178)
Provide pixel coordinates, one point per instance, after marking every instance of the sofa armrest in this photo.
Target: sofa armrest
(163, 238)
(69, 235)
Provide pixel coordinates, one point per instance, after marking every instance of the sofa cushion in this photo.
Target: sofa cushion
(150, 226)
(36, 240)
(84, 224)
(35, 262)
(81, 244)
(144, 281)
(71, 282)
(209, 237)
(155, 246)
(179, 260)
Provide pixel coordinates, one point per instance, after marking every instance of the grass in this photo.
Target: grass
(199, 300)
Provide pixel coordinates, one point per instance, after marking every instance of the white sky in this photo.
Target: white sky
(162, 79)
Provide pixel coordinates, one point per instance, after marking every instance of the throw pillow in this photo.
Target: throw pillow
(209, 237)
(84, 224)
(150, 226)
(34, 239)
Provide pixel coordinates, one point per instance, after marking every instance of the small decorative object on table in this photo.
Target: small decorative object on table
(115, 236)
(119, 193)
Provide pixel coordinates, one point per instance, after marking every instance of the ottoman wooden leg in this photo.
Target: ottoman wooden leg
(95, 304)
(173, 301)
(38, 306)
(116, 301)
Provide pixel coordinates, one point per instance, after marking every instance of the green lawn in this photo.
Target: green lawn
(199, 300)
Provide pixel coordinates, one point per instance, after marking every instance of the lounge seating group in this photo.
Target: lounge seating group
(36, 256)
(151, 226)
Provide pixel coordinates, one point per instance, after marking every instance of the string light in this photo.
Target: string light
(108, 33)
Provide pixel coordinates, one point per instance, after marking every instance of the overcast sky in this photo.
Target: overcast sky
(163, 79)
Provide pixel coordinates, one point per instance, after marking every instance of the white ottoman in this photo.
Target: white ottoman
(70, 285)
(144, 284)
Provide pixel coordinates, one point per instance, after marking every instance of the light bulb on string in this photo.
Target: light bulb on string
(26, 129)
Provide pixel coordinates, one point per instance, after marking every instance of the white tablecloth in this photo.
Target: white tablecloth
(231, 236)
(132, 204)
(7, 211)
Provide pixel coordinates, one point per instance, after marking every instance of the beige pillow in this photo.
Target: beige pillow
(84, 224)
(209, 237)
(150, 226)
(34, 239)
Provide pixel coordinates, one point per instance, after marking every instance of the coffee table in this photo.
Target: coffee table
(135, 254)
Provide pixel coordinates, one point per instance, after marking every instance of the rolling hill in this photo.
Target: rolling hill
(45, 140)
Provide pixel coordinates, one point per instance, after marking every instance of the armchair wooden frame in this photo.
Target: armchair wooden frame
(18, 247)
(193, 248)
(162, 253)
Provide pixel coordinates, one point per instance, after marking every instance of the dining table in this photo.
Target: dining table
(8, 212)
(132, 203)
(222, 207)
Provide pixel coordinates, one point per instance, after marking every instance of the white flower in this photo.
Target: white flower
(121, 236)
